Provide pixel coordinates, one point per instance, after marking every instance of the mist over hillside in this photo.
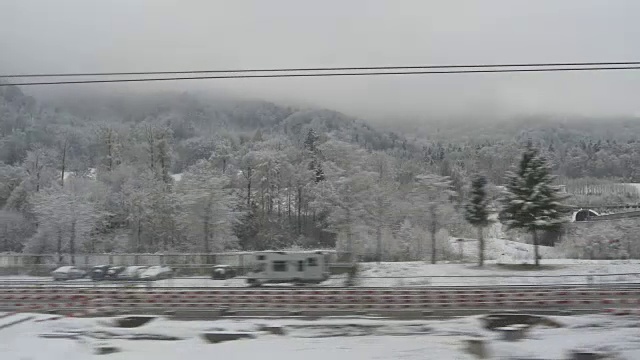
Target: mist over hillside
(260, 175)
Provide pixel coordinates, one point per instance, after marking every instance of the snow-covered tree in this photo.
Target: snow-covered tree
(530, 200)
(67, 214)
(382, 211)
(311, 146)
(109, 148)
(207, 204)
(152, 210)
(345, 193)
(431, 193)
(477, 212)
(40, 167)
(10, 178)
(15, 228)
(406, 238)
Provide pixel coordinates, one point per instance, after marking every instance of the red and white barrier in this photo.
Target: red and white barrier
(93, 299)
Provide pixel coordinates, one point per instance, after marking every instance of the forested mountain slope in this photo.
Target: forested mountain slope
(256, 175)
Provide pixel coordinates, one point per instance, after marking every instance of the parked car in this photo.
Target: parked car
(156, 273)
(68, 273)
(223, 272)
(113, 272)
(131, 273)
(99, 272)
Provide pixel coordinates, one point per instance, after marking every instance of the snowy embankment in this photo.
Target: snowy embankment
(503, 251)
(335, 338)
(502, 268)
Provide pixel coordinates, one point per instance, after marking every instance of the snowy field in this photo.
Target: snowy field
(330, 338)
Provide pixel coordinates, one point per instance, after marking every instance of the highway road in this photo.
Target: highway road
(413, 302)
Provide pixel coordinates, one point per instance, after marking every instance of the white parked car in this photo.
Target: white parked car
(156, 273)
(131, 273)
(68, 273)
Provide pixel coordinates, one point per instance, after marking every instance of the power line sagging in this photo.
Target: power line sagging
(327, 72)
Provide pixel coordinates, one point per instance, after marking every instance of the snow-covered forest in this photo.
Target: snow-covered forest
(182, 172)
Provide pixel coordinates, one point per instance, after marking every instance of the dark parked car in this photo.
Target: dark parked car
(223, 272)
(113, 272)
(99, 272)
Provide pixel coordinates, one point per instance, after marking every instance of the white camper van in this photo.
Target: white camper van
(289, 267)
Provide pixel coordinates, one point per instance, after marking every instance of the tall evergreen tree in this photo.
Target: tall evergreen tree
(530, 201)
(315, 165)
(311, 141)
(477, 213)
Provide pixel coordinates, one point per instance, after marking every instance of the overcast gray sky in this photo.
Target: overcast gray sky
(143, 35)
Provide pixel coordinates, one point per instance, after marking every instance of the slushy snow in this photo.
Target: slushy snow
(330, 338)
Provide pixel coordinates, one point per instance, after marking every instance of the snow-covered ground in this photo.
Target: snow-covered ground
(553, 271)
(335, 339)
(503, 267)
(505, 251)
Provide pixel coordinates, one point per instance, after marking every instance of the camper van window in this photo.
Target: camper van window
(279, 266)
(261, 257)
(301, 265)
(312, 261)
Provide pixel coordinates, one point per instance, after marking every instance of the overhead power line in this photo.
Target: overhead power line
(351, 68)
(329, 74)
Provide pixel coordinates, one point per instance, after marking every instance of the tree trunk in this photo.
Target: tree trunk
(59, 246)
(72, 243)
(433, 247)
(432, 231)
(64, 159)
(152, 148)
(379, 242)
(110, 152)
(262, 198)
(206, 229)
(249, 188)
(299, 209)
(536, 250)
(480, 246)
(379, 230)
(349, 238)
(306, 218)
(289, 202)
(6, 238)
(279, 201)
(138, 235)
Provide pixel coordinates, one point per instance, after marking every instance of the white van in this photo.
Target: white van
(289, 267)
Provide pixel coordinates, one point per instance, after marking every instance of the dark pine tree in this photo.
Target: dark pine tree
(311, 142)
(530, 200)
(311, 145)
(477, 212)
